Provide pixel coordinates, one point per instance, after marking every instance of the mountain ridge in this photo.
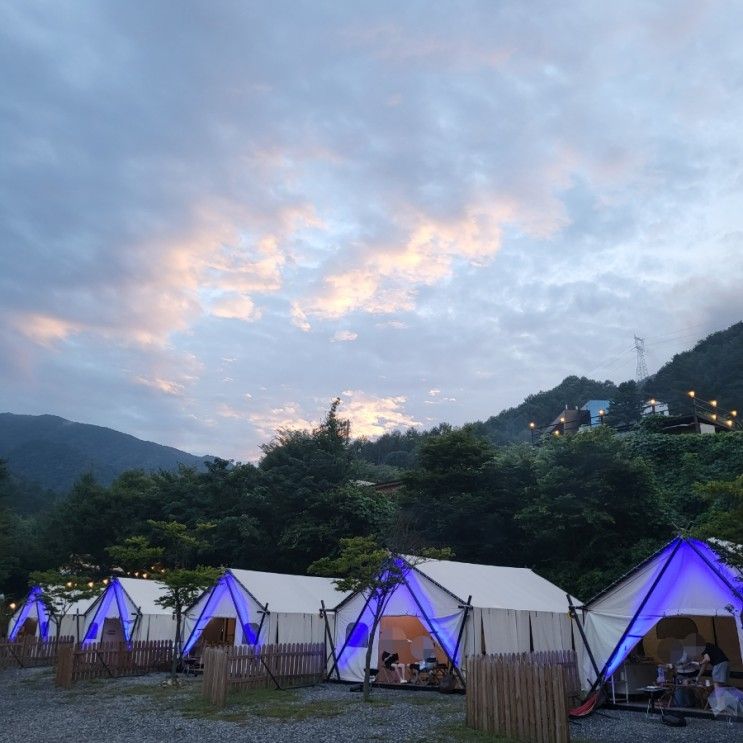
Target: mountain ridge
(53, 452)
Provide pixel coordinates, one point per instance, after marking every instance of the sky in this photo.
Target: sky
(215, 217)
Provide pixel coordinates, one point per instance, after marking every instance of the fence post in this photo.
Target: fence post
(65, 663)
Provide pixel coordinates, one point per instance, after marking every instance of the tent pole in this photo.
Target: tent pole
(435, 633)
(329, 635)
(345, 644)
(201, 614)
(264, 613)
(467, 608)
(644, 601)
(574, 615)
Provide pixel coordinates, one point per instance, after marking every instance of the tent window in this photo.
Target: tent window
(357, 635)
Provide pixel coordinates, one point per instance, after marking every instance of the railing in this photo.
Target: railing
(31, 652)
(268, 666)
(111, 660)
(522, 696)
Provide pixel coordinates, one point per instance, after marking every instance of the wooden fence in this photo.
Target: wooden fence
(112, 660)
(31, 652)
(264, 667)
(523, 696)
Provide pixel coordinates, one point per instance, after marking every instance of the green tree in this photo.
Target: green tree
(175, 546)
(366, 567)
(724, 520)
(626, 406)
(592, 509)
(463, 494)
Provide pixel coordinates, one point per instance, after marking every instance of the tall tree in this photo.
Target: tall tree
(593, 508)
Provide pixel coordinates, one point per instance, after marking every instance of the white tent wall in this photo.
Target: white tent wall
(293, 601)
(538, 612)
(303, 627)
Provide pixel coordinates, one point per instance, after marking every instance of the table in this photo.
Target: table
(653, 692)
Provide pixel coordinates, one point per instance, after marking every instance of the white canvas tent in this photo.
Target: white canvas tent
(261, 608)
(511, 610)
(33, 617)
(128, 610)
(684, 579)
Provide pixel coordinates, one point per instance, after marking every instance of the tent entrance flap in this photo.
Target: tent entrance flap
(406, 637)
(676, 640)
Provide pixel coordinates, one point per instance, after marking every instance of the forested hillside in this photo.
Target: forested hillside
(713, 368)
(580, 510)
(52, 452)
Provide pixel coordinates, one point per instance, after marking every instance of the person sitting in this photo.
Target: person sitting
(391, 663)
(713, 656)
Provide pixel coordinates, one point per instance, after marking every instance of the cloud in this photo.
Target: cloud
(462, 200)
(372, 416)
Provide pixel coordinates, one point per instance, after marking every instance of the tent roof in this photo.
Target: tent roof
(289, 593)
(686, 576)
(494, 586)
(143, 594)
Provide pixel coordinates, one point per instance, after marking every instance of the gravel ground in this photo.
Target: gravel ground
(141, 710)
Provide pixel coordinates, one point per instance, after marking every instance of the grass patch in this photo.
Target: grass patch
(460, 733)
(242, 705)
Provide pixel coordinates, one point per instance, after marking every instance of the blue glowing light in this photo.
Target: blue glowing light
(226, 585)
(113, 592)
(33, 601)
(414, 596)
(694, 582)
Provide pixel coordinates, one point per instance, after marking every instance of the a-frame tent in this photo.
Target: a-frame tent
(450, 610)
(686, 578)
(128, 610)
(251, 607)
(31, 617)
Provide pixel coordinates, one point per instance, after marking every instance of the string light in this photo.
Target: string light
(730, 423)
(105, 581)
(713, 403)
(691, 393)
(714, 416)
(557, 433)
(562, 419)
(90, 584)
(734, 413)
(12, 605)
